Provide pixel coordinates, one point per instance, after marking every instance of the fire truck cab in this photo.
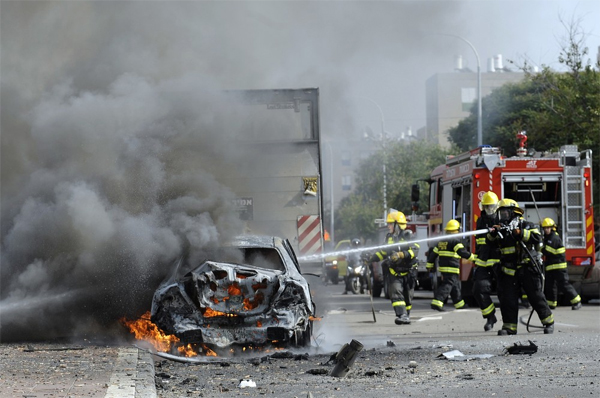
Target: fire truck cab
(556, 185)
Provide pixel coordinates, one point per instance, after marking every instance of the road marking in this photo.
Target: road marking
(430, 318)
(122, 381)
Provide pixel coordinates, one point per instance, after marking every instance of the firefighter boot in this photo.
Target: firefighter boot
(506, 332)
(401, 317)
(549, 329)
(576, 306)
(489, 324)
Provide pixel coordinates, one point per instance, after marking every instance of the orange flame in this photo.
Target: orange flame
(144, 329)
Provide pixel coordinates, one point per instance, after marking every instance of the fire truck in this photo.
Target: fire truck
(556, 185)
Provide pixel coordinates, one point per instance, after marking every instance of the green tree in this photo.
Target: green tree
(405, 164)
(554, 108)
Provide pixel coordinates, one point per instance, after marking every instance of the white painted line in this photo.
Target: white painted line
(430, 318)
(122, 381)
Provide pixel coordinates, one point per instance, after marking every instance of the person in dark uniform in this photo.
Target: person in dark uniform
(518, 239)
(399, 261)
(557, 278)
(449, 251)
(487, 257)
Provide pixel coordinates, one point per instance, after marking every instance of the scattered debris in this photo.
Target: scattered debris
(371, 373)
(244, 383)
(30, 348)
(456, 355)
(412, 364)
(320, 371)
(390, 343)
(519, 348)
(345, 358)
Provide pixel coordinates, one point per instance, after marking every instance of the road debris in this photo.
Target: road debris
(520, 349)
(456, 355)
(247, 383)
(345, 358)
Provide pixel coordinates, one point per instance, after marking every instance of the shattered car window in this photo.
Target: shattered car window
(254, 256)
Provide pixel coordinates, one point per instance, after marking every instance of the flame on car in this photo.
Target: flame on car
(143, 329)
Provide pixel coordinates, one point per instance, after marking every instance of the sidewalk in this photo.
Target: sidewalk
(64, 370)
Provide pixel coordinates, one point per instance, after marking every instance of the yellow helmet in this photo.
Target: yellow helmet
(489, 203)
(548, 222)
(397, 217)
(489, 198)
(452, 225)
(512, 205)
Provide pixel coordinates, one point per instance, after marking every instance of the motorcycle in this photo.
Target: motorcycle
(358, 279)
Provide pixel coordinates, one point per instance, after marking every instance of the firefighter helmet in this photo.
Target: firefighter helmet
(489, 198)
(510, 204)
(548, 222)
(452, 225)
(397, 217)
(489, 203)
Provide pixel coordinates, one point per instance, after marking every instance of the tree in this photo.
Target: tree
(554, 108)
(405, 164)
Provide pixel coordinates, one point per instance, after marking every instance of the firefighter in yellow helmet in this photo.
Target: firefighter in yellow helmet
(487, 256)
(557, 278)
(517, 239)
(397, 263)
(448, 251)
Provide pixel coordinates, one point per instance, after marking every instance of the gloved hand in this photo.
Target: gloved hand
(516, 233)
(396, 256)
(494, 230)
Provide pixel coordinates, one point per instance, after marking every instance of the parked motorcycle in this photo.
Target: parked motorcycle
(358, 279)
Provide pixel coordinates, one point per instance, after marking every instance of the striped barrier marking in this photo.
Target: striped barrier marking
(309, 235)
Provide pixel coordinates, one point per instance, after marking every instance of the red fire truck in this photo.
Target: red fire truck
(556, 185)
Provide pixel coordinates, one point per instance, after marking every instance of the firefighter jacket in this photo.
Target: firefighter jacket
(449, 251)
(512, 254)
(409, 254)
(554, 251)
(484, 249)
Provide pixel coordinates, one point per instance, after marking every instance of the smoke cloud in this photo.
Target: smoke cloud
(112, 118)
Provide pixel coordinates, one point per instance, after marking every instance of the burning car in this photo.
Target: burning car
(249, 292)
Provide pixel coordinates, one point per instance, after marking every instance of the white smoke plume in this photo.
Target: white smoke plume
(111, 119)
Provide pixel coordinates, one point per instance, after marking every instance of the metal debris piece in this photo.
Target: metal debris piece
(345, 358)
(390, 343)
(412, 364)
(519, 348)
(31, 348)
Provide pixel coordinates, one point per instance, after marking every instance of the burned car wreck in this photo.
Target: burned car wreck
(250, 292)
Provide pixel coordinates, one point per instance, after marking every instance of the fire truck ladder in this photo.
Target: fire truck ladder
(573, 205)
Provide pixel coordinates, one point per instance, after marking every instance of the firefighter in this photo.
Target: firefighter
(486, 258)
(518, 240)
(399, 261)
(557, 278)
(449, 251)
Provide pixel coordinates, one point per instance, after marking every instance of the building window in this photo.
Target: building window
(346, 158)
(467, 96)
(346, 183)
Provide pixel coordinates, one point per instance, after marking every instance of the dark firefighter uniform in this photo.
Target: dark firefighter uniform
(517, 269)
(448, 252)
(486, 258)
(398, 262)
(557, 278)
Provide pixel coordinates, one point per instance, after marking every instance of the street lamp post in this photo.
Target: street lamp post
(383, 132)
(479, 120)
(331, 218)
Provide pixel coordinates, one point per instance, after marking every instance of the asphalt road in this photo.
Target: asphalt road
(396, 360)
